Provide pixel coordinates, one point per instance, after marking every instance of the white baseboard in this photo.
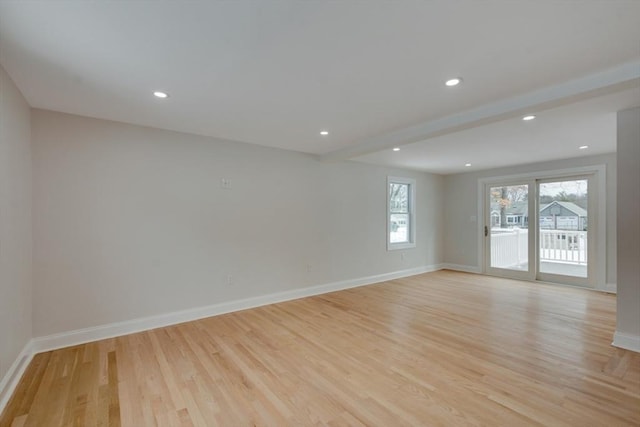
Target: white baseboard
(81, 336)
(464, 268)
(626, 341)
(14, 374)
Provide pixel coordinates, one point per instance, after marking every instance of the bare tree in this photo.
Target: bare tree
(504, 203)
(517, 193)
(507, 196)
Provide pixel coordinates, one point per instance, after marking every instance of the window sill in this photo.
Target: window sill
(396, 246)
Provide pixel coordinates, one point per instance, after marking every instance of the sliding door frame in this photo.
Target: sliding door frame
(597, 269)
(530, 273)
(592, 202)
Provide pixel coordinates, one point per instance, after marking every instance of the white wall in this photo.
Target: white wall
(461, 201)
(15, 224)
(628, 325)
(132, 221)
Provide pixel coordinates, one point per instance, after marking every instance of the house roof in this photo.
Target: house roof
(515, 208)
(521, 208)
(567, 205)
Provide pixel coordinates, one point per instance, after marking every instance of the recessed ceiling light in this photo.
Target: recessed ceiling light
(466, 165)
(159, 94)
(396, 149)
(324, 132)
(583, 147)
(454, 82)
(527, 118)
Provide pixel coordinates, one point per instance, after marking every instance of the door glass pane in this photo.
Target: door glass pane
(563, 227)
(509, 227)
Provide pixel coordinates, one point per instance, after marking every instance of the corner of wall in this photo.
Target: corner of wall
(13, 376)
(16, 228)
(626, 341)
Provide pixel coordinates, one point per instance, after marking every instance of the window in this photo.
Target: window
(400, 213)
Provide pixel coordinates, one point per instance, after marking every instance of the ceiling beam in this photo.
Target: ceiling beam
(614, 79)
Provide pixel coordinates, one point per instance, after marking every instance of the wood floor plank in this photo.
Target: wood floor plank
(23, 398)
(443, 348)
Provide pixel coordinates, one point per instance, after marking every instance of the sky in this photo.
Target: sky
(570, 187)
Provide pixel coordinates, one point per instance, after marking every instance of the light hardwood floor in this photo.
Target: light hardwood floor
(441, 348)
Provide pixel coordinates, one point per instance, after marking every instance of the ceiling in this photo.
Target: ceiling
(276, 73)
(556, 133)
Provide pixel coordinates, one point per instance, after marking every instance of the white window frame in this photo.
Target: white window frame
(411, 211)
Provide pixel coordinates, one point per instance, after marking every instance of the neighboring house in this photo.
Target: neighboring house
(555, 215)
(563, 216)
(517, 215)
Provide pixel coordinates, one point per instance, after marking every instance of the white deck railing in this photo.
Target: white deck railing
(566, 246)
(509, 247)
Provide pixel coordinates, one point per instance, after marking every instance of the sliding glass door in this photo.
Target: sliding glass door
(541, 229)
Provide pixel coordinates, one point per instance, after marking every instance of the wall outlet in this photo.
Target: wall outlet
(229, 279)
(401, 256)
(309, 268)
(225, 183)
